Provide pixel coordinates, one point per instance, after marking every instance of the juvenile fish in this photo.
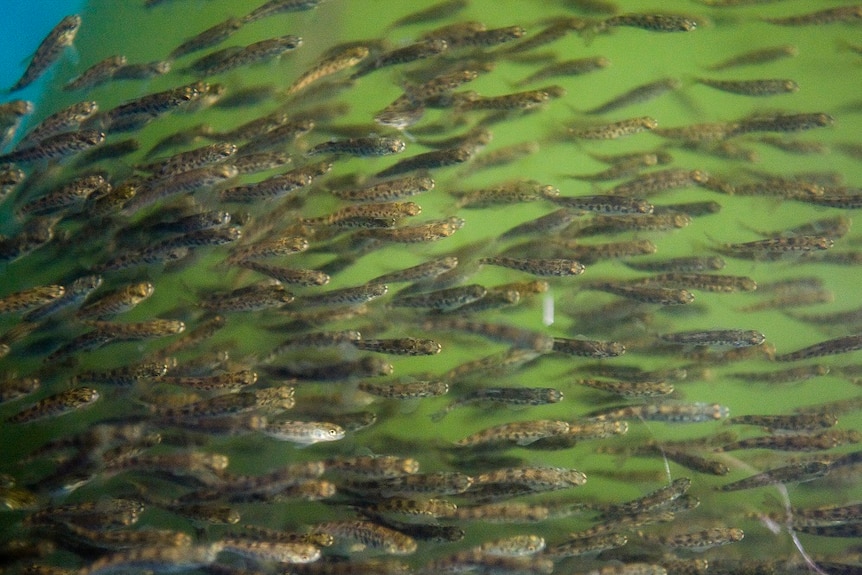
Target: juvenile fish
(638, 95)
(388, 190)
(567, 68)
(360, 147)
(250, 298)
(827, 16)
(720, 337)
(400, 346)
(443, 300)
(97, 74)
(367, 534)
(339, 61)
(49, 50)
(208, 38)
(538, 267)
(759, 56)
(796, 442)
(57, 146)
(303, 432)
(697, 412)
(657, 295)
(116, 302)
(653, 22)
(67, 119)
(836, 346)
(426, 161)
(505, 395)
(408, 390)
(613, 130)
(769, 87)
(274, 7)
(521, 433)
(235, 57)
(794, 473)
(30, 298)
(56, 405)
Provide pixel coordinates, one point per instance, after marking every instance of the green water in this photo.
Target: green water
(828, 76)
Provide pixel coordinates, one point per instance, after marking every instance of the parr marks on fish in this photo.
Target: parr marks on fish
(538, 267)
(519, 433)
(613, 130)
(58, 404)
(49, 50)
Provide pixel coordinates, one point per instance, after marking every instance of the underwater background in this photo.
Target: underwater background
(118, 448)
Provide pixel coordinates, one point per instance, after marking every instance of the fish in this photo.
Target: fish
(519, 433)
(303, 432)
(49, 51)
(275, 7)
(760, 88)
(56, 405)
(208, 38)
(235, 57)
(613, 130)
(721, 338)
(57, 146)
(638, 95)
(757, 56)
(653, 22)
(819, 17)
(538, 267)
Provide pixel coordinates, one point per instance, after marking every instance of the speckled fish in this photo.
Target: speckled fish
(776, 248)
(150, 106)
(405, 390)
(49, 50)
(697, 540)
(613, 130)
(769, 87)
(420, 50)
(657, 295)
(30, 298)
(293, 552)
(653, 22)
(387, 190)
(793, 473)
(56, 147)
(274, 7)
(236, 56)
(116, 302)
(153, 328)
(670, 412)
(208, 38)
(836, 346)
(159, 559)
(420, 233)
(364, 534)
(190, 160)
(515, 546)
(445, 299)
(605, 204)
(230, 381)
(62, 403)
(797, 442)
(283, 274)
(720, 337)
(68, 119)
(521, 433)
(782, 123)
(399, 346)
(828, 16)
(420, 272)
(66, 196)
(125, 375)
(360, 147)
(333, 64)
(504, 395)
(538, 267)
(250, 298)
(791, 422)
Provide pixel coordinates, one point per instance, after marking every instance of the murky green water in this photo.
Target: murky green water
(828, 76)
